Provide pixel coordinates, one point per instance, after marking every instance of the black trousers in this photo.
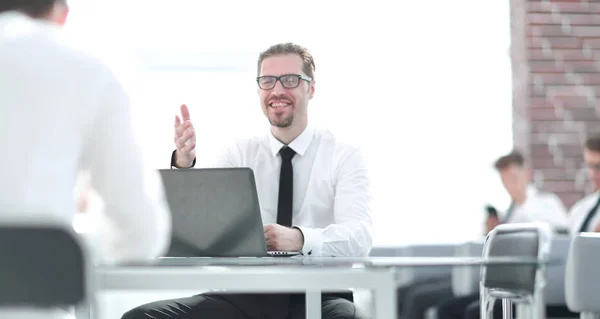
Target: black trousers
(424, 296)
(407, 291)
(245, 306)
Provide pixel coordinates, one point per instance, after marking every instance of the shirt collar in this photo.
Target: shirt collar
(300, 144)
(531, 191)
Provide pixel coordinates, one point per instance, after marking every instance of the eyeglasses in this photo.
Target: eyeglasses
(288, 81)
(594, 166)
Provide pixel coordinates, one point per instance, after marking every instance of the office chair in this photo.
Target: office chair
(43, 265)
(522, 284)
(582, 280)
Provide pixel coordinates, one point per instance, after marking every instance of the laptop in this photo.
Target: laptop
(215, 213)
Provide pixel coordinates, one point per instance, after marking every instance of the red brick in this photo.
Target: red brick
(577, 114)
(565, 54)
(586, 31)
(583, 19)
(551, 127)
(542, 18)
(557, 42)
(554, 174)
(565, 150)
(559, 186)
(590, 78)
(591, 43)
(574, 66)
(558, 19)
(563, 107)
(549, 162)
(564, 7)
(547, 31)
(585, 114)
(560, 31)
(583, 90)
(568, 99)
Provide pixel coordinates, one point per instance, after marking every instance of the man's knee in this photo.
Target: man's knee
(339, 308)
(136, 313)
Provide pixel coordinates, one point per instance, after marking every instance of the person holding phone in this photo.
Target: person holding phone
(528, 204)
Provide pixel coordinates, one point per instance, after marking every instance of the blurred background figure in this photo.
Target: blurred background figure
(584, 215)
(528, 204)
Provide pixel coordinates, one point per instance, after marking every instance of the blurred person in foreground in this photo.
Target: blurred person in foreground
(63, 111)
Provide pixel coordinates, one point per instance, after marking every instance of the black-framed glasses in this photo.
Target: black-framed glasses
(288, 81)
(594, 166)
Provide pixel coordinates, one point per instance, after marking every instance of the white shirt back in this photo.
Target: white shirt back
(62, 111)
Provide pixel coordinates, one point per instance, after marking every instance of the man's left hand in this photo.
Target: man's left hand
(283, 238)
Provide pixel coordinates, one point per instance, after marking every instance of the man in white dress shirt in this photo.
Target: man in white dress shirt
(62, 111)
(528, 203)
(314, 192)
(584, 215)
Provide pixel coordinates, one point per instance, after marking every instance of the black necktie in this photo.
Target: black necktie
(286, 187)
(509, 212)
(589, 217)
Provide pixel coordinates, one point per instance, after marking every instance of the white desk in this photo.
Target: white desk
(310, 275)
(311, 280)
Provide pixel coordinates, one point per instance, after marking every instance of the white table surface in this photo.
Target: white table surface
(285, 275)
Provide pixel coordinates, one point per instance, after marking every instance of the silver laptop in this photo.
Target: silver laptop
(215, 213)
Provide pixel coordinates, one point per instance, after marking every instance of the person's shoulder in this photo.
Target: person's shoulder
(248, 144)
(36, 39)
(338, 143)
(585, 203)
(548, 196)
(343, 151)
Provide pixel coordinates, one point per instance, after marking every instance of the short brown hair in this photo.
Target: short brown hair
(513, 158)
(33, 8)
(592, 143)
(308, 63)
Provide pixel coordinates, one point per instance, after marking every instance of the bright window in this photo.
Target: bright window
(426, 93)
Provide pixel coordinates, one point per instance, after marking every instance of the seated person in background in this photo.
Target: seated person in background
(63, 111)
(527, 205)
(314, 192)
(584, 214)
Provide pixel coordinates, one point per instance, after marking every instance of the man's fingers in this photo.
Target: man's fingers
(185, 130)
(190, 147)
(185, 113)
(182, 142)
(177, 121)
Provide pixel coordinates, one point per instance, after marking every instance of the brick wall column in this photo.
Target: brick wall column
(556, 89)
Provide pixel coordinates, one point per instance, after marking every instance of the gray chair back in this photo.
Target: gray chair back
(43, 265)
(555, 272)
(520, 283)
(582, 275)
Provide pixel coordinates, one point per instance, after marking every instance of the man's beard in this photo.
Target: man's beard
(281, 122)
